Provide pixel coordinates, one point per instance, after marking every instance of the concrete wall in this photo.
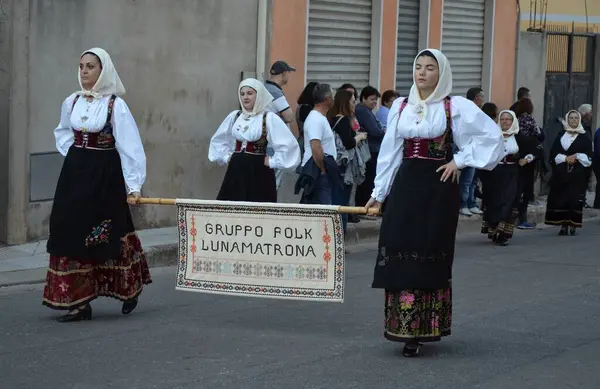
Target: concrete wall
(5, 62)
(181, 63)
(531, 69)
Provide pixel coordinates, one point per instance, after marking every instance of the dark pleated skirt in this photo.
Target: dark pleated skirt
(248, 179)
(500, 200)
(418, 230)
(567, 196)
(416, 252)
(90, 214)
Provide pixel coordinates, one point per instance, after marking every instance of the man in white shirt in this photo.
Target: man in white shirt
(320, 144)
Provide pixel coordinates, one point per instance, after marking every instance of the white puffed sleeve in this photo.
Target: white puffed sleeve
(479, 139)
(222, 143)
(560, 158)
(390, 155)
(584, 159)
(285, 146)
(129, 145)
(64, 132)
(510, 146)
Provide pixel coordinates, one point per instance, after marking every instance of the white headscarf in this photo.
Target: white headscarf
(443, 88)
(514, 128)
(579, 129)
(108, 83)
(263, 97)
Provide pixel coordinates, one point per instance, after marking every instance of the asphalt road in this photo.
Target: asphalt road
(525, 316)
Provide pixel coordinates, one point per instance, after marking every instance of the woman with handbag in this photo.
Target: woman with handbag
(347, 142)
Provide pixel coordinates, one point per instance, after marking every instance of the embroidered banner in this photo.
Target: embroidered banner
(286, 251)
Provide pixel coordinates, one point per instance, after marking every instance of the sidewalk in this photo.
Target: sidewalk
(27, 263)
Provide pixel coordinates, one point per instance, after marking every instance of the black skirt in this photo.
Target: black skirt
(90, 213)
(248, 179)
(567, 195)
(500, 193)
(418, 231)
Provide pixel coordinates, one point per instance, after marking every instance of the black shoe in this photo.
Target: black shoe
(77, 315)
(563, 231)
(501, 242)
(572, 231)
(129, 306)
(411, 352)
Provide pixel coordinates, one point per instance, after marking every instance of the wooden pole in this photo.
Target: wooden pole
(156, 201)
(342, 209)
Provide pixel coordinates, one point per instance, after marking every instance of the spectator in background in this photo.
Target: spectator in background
(306, 103)
(375, 131)
(585, 110)
(491, 110)
(468, 181)
(352, 89)
(347, 143)
(522, 93)
(387, 99)
(278, 78)
(355, 127)
(319, 177)
(596, 167)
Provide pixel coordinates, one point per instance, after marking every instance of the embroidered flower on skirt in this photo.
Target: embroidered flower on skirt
(423, 316)
(99, 234)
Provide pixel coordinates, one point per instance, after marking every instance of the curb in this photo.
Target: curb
(364, 232)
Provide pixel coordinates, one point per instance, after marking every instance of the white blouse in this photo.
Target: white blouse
(478, 138)
(510, 146)
(249, 129)
(566, 141)
(125, 131)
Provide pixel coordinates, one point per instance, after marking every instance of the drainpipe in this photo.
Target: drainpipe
(517, 44)
(261, 38)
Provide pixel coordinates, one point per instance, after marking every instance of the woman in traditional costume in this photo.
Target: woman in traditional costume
(501, 186)
(241, 143)
(570, 158)
(94, 249)
(417, 172)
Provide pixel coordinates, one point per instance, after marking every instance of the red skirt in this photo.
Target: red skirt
(73, 282)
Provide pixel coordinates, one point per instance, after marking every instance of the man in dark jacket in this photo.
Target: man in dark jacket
(375, 132)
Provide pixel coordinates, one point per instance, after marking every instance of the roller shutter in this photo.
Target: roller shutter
(339, 42)
(462, 42)
(408, 43)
